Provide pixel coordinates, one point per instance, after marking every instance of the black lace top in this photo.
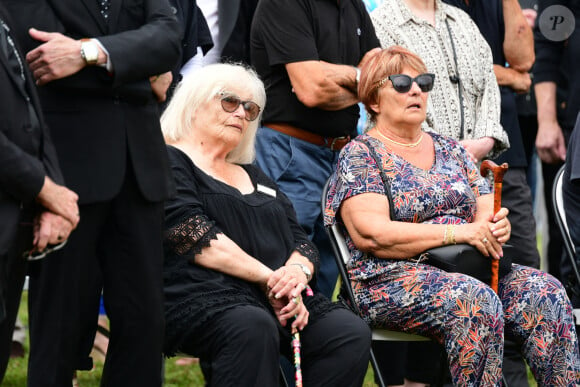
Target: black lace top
(262, 223)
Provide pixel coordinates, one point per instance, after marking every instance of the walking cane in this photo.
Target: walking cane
(498, 172)
(295, 344)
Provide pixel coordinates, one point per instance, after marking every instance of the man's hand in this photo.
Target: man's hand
(518, 81)
(530, 15)
(60, 200)
(479, 148)
(58, 57)
(160, 84)
(50, 229)
(521, 83)
(550, 143)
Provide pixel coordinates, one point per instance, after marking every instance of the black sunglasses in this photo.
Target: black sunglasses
(230, 104)
(402, 83)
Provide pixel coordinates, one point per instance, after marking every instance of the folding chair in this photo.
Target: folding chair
(569, 249)
(342, 256)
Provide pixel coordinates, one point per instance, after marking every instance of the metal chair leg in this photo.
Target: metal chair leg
(378, 376)
(282, 378)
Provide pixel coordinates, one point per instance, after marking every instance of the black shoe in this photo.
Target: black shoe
(17, 350)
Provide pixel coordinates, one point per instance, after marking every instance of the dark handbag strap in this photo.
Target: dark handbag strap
(384, 177)
(457, 80)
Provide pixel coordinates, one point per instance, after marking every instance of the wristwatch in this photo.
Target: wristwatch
(304, 269)
(89, 51)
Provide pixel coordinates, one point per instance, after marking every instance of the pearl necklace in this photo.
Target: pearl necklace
(411, 145)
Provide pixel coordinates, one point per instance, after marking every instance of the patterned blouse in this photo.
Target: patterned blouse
(395, 24)
(446, 193)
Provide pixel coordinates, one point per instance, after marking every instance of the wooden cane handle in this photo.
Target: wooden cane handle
(497, 170)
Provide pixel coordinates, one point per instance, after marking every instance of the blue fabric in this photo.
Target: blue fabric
(301, 169)
(102, 310)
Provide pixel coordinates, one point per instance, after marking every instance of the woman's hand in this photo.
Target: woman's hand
(501, 226)
(287, 280)
(287, 308)
(479, 234)
(285, 287)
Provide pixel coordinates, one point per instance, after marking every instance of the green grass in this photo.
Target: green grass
(175, 375)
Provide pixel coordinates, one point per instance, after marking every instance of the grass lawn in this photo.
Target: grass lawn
(175, 375)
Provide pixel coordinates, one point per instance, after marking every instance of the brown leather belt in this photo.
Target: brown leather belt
(334, 143)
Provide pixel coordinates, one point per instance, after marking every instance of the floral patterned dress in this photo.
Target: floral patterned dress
(460, 312)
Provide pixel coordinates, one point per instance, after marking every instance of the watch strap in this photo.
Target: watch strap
(304, 269)
(89, 51)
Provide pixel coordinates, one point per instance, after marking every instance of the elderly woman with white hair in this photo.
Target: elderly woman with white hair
(237, 263)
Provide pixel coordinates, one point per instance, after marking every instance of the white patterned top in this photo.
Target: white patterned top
(395, 24)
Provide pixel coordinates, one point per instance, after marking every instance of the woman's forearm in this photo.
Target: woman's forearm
(367, 220)
(225, 256)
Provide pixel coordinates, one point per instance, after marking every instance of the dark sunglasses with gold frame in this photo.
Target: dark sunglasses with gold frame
(231, 102)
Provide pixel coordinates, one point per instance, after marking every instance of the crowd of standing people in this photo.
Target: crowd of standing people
(185, 194)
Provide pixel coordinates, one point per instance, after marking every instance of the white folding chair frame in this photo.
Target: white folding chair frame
(560, 215)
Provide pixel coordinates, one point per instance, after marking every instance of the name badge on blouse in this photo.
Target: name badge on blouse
(266, 190)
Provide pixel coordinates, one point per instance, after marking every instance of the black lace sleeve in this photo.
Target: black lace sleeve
(188, 237)
(307, 249)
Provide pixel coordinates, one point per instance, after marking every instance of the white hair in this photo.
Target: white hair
(198, 89)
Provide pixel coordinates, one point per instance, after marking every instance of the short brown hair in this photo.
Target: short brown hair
(387, 62)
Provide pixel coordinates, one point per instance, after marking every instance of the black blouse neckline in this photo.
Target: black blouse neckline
(245, 167)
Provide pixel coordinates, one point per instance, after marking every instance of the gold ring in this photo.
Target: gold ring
(296, 300)
(484, 240)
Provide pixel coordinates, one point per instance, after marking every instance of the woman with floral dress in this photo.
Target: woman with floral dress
(438, 199)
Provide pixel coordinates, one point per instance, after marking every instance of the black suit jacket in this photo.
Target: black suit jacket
(101, 122)
(235, 21)
(26, 151)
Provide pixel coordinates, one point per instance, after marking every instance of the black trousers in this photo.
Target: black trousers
(117, 247)
(242, 348)
(555, 242)
(12, 274)
(517, 198)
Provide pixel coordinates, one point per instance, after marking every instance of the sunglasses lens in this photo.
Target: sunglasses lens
(401, 83)
(425, 82)
(230, 104)
(252, 110)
